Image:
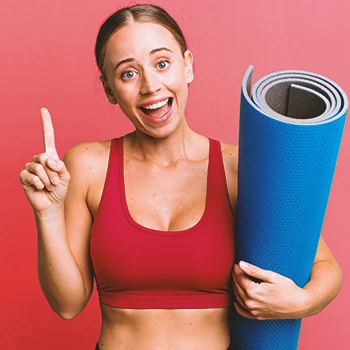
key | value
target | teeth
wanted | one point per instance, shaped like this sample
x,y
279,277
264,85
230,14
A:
x,y
157,105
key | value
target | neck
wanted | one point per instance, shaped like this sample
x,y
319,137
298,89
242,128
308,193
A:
x,y
180,145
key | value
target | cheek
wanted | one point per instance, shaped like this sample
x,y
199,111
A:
x,y
126,95
176,81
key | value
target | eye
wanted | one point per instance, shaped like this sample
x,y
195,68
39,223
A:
x,y
129,74
163,64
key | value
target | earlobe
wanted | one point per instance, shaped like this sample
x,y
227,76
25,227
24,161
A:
x,y
188,57
108,91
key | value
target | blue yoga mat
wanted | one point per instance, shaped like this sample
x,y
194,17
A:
x,y
291,124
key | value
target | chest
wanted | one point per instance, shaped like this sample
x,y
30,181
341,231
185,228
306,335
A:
x,y
168,228
168,199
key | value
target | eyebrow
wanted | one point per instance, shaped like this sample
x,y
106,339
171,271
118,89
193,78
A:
x,y
131,59
160,49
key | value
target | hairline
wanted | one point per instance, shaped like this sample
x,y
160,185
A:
x,y
132,20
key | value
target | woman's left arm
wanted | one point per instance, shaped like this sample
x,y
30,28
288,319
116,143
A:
x,y
278,297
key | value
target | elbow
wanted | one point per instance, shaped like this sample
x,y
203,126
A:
x,y
336,282
66,314
67,308
340,278
337,276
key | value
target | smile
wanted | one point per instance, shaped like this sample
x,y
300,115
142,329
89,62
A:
x,y
157,105
158,112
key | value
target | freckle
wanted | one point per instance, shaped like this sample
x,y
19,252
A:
x,y
51,264
89,167
87,148
190,324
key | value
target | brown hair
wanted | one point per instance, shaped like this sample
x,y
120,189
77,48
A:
x,y
138,13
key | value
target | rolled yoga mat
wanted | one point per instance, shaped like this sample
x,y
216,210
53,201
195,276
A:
x,y
289,136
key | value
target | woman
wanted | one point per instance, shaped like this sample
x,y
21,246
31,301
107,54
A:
x,y
151,214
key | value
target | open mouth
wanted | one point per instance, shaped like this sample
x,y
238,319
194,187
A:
x,y
158,110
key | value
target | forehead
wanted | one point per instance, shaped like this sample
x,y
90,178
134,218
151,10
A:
x,y
138,38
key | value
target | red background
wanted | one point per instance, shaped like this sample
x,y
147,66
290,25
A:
x,y
46,55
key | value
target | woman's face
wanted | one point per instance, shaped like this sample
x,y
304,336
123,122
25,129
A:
x,y
148,76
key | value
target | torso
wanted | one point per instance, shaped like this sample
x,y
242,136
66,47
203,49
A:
x,y
162,328
173,329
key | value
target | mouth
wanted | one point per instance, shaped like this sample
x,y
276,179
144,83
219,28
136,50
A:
x,y
159,109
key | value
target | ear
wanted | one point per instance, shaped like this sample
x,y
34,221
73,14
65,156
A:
x,y
188,57
108,91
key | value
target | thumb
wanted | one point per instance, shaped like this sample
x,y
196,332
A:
x,y
256,272
59,167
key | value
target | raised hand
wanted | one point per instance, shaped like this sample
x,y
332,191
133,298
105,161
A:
x,y
262,294
45,179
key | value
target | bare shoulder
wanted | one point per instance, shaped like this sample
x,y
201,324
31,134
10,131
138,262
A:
x,y
87,156
87,163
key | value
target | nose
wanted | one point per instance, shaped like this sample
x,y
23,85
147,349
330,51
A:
x,y
149,83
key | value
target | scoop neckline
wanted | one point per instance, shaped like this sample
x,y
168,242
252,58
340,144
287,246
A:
x,y
150,230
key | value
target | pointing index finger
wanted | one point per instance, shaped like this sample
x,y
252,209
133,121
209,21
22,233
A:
x,y
48,133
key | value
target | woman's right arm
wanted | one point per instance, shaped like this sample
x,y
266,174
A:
x,y
63,223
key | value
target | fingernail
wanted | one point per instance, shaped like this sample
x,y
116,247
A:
x,y
55,180
243,264
51,188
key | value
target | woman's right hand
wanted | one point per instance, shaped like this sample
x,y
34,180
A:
x,y
45,180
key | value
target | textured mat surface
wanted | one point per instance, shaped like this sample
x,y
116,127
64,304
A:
x,y
291,124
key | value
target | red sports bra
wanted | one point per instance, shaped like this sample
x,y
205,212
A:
x,y
143,268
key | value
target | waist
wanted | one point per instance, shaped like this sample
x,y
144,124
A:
x,y
165,328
